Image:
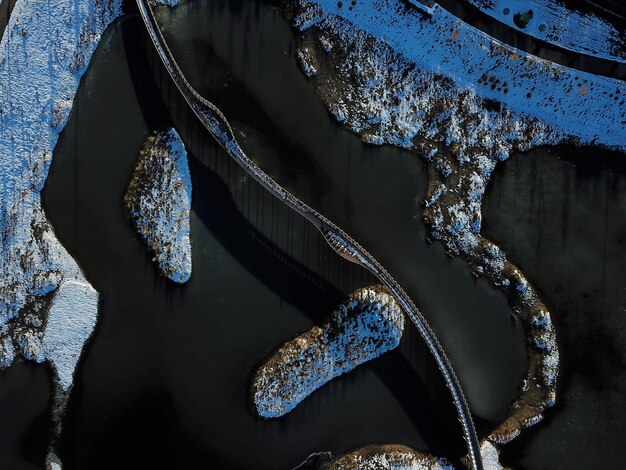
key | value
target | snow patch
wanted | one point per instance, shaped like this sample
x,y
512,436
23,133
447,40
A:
x,y
490,456
71,319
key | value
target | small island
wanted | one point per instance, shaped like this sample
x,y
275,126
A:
x,y
158,201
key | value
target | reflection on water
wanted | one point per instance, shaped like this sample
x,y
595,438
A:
x,y
563,222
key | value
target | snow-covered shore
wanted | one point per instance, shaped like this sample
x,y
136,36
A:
x,y
577,105
553,22
47,308
367,325
158,200
45,51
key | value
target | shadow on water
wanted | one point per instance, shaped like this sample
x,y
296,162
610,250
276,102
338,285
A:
x,y
6,8
559,215
24,427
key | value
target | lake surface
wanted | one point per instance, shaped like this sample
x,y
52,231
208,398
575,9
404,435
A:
x,y
164,382
560,215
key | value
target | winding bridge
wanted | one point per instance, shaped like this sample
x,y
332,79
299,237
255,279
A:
x,y
215,122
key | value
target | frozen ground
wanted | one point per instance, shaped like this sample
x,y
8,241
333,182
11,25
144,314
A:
x,y
158,200
553,22
367,325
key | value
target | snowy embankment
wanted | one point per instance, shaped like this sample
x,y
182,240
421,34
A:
x,y
464,102
158,200
47,307
367,325
551,21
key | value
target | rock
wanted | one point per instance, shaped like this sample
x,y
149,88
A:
x,y
367,325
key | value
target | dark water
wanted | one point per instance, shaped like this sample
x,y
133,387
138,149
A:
x,y
561,216
24,395
163,383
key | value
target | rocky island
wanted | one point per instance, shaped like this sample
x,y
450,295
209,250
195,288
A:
x,y
367,325
158,200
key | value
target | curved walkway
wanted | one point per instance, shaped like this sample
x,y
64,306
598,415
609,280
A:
x,y
215,122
